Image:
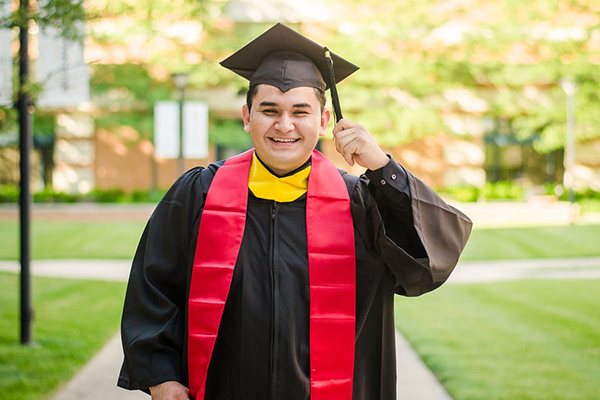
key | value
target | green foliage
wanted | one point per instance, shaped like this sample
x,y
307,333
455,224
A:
x,y
509,190
589,205
73,319
513,56
144,21
116,195
130,93
8,120
10,194
408,65
462,193
44,124
50,196
526,340
229,133
502,190
109,195
136,125
147,196
588,194
411,54
65,15
588,200
127,86
151,10
506,190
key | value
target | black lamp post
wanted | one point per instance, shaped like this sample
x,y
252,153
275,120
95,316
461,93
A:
x,y
24,106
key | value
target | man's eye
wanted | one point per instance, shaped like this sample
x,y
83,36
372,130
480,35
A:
x,y
270,111
300,112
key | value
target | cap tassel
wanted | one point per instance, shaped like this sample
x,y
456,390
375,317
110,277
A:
x,y
335,100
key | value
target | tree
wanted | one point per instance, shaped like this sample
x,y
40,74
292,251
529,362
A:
x,y
48,13
65,15
510,54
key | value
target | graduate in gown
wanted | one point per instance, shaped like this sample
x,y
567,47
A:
x,y
272,275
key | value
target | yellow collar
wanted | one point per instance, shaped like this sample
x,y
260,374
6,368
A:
x,y
265,185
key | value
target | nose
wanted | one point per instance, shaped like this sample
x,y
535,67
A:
x,y
285,123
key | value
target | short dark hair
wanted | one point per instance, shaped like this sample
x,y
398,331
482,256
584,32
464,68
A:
x,y
254,88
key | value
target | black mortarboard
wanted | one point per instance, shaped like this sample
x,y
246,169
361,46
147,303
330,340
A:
x,y
283,58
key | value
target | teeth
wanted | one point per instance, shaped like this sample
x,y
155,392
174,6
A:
x,y
284,140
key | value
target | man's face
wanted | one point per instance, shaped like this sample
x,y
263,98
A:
x,y
285,127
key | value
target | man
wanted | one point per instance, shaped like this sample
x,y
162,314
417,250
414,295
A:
x,y
272,275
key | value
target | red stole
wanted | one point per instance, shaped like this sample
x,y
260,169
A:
x,y
332,275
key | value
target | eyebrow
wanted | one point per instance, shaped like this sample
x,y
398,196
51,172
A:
x,y
273,104
302,105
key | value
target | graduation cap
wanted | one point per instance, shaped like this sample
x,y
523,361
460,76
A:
x,y
283,58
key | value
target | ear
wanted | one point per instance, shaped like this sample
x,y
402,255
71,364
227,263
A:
x,y
246,118
325,117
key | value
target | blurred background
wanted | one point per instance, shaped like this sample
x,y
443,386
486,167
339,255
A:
x,y
466,94
495,104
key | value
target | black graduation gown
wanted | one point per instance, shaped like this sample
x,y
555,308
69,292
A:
x,y
407,242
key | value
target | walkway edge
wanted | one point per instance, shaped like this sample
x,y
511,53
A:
x,y
97,380
415,381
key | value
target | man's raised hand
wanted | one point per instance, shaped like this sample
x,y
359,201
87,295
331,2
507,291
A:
x,y
356,144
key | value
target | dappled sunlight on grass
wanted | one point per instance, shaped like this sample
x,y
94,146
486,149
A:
x,y
521,340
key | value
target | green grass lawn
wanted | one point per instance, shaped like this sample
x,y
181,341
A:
x,y
73,319
105,240
533,242
519,340
69,239
524,340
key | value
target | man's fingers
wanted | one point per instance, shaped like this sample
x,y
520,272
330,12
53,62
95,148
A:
x,y
349,158
356,144
340,126
344,137
348,148
343,125
341,141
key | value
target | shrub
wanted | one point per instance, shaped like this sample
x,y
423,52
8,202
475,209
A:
x,y
462,193
503,190
50,196
9,193
109,195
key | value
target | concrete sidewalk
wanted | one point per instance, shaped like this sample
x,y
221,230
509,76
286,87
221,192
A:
x,y
465,272
505,270
97,380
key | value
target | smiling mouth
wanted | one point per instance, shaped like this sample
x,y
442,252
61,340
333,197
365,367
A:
x,y
284,140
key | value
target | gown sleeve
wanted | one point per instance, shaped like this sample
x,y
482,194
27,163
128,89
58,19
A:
x,y
419,236
153,321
